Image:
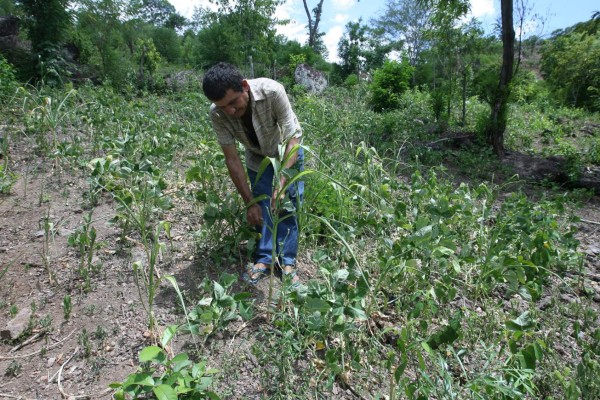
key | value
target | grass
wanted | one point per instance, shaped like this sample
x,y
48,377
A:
x,y
425,287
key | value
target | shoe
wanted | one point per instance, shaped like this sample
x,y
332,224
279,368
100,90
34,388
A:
x,y
254,272
289,274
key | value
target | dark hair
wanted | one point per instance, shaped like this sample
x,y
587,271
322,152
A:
x,y
220,78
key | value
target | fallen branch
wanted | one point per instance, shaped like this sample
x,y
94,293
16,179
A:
x,y
40,350
587,221
60,388
28,341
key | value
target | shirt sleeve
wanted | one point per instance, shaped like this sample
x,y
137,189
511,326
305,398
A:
x,y
286,118
221,127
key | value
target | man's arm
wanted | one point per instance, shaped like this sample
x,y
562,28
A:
x,y
238,176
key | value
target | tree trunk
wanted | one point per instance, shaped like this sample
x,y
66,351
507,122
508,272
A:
x,y
313,26
498,119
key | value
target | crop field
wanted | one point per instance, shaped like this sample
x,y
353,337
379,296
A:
x,y
427,273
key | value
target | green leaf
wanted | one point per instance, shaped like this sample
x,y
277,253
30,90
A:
x,y
316,304
341,275
400,370
357,313
141,379
218,290
193,174
168,335
165,392
228,279
523,322
446,334
152,353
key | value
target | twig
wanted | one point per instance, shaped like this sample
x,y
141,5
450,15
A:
x,y
65,395
40,350
587,221
244,325
28,341
13,397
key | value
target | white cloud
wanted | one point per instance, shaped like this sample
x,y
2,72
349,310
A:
x,y
341,18
331,40
343,4
296,28
186,7
482,8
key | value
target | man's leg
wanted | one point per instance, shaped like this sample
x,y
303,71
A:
x,y
263,186
287,232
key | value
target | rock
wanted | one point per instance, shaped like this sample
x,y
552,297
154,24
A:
x,y
314,81
16,326
9,25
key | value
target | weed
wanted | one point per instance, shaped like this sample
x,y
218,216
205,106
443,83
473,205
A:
x,y
13,369
85,343
67,307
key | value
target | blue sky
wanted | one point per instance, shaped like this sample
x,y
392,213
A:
x,y
557,14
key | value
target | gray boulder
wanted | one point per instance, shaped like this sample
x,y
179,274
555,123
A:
x,y
314,81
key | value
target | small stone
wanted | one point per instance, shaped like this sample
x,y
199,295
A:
x,y
51,361
597,298
16,326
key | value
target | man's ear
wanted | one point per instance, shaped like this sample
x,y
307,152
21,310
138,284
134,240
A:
x,y
245,85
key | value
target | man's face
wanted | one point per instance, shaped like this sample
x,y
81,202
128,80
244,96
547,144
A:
x,y
235,103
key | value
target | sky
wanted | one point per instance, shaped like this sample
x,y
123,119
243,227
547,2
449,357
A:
x,y
557,14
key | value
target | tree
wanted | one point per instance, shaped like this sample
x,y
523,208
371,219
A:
x,y
239,31
359,50
157,12
570,65
105,40
314,37
351,48
389,82
496,125
499,115
47,23
404,25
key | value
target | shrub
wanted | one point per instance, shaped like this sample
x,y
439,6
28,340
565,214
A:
x,y
8,82
389,82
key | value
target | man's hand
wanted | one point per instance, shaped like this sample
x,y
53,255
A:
x,y
254,215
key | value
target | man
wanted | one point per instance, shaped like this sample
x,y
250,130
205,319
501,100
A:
x,y
258,114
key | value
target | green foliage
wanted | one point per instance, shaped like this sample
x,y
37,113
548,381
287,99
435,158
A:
x,y
218,307
166,379
389,82
571,65
167,44
8,81
237,31
47,25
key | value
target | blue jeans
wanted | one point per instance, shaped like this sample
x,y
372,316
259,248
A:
x,y
287,229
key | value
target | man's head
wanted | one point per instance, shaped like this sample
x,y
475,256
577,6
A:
x,y
225,86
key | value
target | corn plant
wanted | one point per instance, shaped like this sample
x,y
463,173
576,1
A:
x,y
49,232
281,203
84,238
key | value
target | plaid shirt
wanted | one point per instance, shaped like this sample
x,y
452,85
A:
x,y
273,119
